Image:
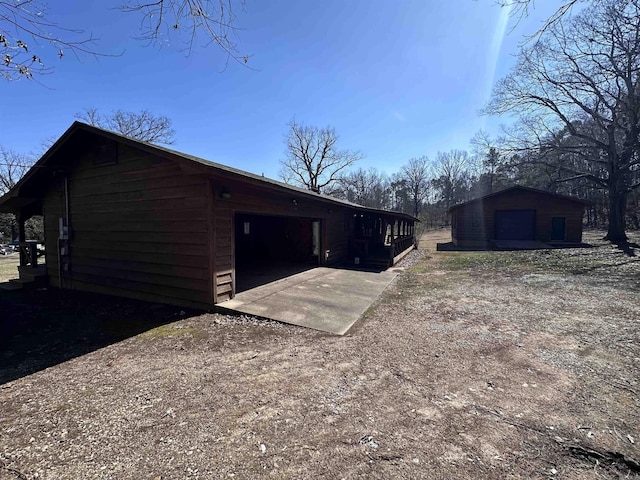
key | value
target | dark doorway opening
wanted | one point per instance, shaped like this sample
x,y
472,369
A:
x,y
558,227
515,224
269,248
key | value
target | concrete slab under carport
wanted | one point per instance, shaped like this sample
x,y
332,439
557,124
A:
x,y
326,299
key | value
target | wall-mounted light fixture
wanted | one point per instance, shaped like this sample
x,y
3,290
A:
x,y
225,195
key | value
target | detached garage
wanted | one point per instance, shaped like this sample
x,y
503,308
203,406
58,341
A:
x,y
517,216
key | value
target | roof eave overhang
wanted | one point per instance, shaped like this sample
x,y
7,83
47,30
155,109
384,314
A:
x,y
584,203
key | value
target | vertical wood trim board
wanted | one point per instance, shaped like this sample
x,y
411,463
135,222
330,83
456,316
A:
x,y
211,224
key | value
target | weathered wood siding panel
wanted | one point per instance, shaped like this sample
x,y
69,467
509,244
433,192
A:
x,y
338,228
469,225
474,224
139,229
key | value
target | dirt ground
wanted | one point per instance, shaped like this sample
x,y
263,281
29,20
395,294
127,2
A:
x,y
471,365
9,266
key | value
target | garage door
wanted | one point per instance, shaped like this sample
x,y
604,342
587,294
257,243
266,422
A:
x,y
515,224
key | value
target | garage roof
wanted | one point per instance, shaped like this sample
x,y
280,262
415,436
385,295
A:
x,y
519,188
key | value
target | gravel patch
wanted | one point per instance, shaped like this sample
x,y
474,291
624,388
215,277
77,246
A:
x,y
472,365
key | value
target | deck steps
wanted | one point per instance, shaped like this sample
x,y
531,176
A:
x,y
29,277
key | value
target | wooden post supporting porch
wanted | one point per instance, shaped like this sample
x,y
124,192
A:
x,y
30,273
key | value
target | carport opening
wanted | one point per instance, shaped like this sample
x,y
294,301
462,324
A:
x,y
269,248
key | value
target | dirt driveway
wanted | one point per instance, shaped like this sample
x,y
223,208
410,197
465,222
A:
x,y
471,365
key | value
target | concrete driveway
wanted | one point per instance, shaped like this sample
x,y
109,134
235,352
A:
x,y
326,299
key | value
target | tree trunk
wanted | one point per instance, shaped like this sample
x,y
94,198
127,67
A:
x,y
634,214
617,213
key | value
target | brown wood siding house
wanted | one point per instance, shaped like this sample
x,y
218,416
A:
x,y
517,214
127,218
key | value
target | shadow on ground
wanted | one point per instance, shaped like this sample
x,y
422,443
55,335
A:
x,y
256,274
42,328
510,246
628,248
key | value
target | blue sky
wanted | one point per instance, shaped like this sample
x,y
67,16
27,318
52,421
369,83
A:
x,y
397,79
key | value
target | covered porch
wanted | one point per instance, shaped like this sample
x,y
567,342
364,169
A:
x,y
32,270
379,241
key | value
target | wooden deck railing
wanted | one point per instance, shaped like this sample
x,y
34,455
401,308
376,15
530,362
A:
x,y
400,244
28,254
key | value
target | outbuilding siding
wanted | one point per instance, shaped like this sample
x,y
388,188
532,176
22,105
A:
x,y
473,223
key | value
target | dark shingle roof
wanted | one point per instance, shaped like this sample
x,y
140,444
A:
x,y
522,189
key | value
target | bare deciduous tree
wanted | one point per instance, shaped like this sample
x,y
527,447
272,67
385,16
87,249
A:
x,y
522,8
365,187
143,126
399,193
27,24
488,159
417,175
25,28
312,158
450,172
213,21
12,167
582,77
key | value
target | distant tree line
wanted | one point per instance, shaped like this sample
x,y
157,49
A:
x,y
427,188
575,94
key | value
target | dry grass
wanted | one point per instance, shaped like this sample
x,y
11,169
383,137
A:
x,y
9,267
472,365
